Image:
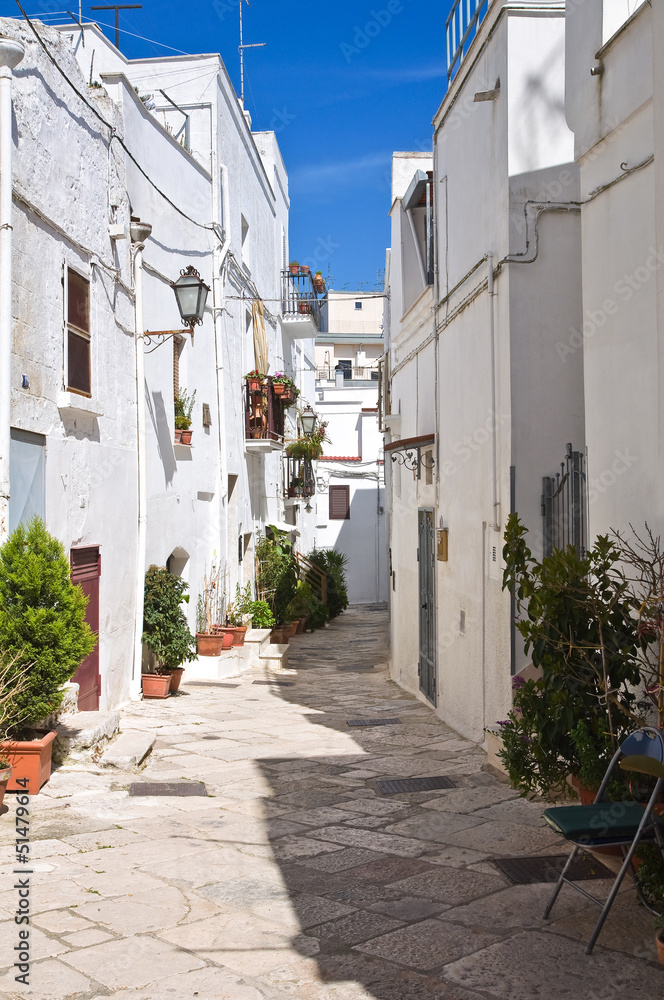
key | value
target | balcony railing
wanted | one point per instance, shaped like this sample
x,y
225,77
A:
x,y
351,374
264,414
300,478
299,297
462,25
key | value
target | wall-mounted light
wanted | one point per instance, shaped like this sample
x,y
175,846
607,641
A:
x,y
191,293
308,420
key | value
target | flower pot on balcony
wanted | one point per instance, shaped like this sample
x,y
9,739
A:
x,y
177,436
304,307
254,385
294,267
305,269
319,282
30,762
156,685
278,388
208,645
186,437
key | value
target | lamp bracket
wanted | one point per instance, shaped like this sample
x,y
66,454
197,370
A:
x,y
164,334
413,458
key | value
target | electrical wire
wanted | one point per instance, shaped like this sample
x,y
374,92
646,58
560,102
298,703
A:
x,y
113,133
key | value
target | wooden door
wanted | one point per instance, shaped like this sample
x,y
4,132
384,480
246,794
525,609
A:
x,y
85,571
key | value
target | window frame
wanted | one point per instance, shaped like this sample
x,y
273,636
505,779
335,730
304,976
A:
x,y
72,329
337,488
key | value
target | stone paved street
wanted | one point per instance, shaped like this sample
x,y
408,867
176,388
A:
x,y
293,878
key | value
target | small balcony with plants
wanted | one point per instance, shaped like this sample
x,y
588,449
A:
x,y
266,399
300,478
300,302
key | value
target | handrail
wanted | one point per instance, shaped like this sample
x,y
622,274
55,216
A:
x,y
462,25
306,567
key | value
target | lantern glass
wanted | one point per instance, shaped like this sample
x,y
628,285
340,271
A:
x,y
191,293
308,419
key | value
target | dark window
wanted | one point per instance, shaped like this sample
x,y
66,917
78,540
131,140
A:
x,y
346,367
358,305
339,503
78,333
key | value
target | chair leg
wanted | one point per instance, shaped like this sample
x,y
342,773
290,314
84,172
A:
x,y
559,883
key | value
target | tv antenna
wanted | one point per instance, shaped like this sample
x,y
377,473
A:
x,y
117,8
254,45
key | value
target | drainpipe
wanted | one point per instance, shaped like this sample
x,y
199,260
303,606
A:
x,y
11,53
494,433
140,231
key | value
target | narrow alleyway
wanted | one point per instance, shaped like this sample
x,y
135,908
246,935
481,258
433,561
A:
x,y
291,876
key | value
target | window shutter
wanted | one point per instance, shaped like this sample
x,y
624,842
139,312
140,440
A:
x,y
339,503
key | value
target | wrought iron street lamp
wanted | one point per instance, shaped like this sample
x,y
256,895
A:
x,y
308,420
191,293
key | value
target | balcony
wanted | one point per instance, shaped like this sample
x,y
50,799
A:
x,y
462,25
264,418
300,479
300,304
327,373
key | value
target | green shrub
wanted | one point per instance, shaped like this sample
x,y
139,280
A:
x,y
261,614
276,572
650,875
333,562
165,629
42,621
317,614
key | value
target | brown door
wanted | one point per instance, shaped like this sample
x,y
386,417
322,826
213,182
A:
x,y
85,571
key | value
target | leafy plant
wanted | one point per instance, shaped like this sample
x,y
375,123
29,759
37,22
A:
x,y
262,616
241,606
305,603
165,629
255,374
576,620
184,406
276,571
650,876
43,632
333,563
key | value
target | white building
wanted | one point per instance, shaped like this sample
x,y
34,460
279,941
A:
x,y
484,274
216,198
617,116
350,500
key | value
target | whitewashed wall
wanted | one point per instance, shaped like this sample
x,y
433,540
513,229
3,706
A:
x,y
62,174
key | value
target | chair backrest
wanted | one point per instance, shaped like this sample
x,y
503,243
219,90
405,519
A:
x,y
644,743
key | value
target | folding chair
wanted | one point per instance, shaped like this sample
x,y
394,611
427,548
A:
x,y
605,824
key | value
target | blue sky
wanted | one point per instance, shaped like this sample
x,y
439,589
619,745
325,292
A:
x,y
343,83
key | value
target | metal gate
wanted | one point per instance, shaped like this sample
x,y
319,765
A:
x,y
564,498
426,555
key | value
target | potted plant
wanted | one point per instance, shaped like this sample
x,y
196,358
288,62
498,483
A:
x,y
319,281
44,637
238,613
165,630
305,269
659,937
294,267
575,616
261,614
255,381
284,387
12,683
211,637
304,306
184,406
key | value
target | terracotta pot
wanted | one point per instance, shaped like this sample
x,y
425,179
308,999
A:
x,y
186,436
177,435
254,385
293,628
5,775
302,624
208,645
305,269
280,635
304,307
294,268
659,941
240,632
227,636
156,685
176,677
29,759
278,388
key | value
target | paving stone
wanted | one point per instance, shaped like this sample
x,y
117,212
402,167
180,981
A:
x,y
115,965
50,980
384,842
498,839
352,929
432,826
387,870
468,800
427,945
140,912
41,945
342,859
83,939
409,908
450,885
551,967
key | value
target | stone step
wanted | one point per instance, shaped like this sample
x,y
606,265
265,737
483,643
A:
x,y
82,733
130,748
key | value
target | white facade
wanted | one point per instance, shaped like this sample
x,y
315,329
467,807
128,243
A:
x,y
618,121
475,385
87,158
348,351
